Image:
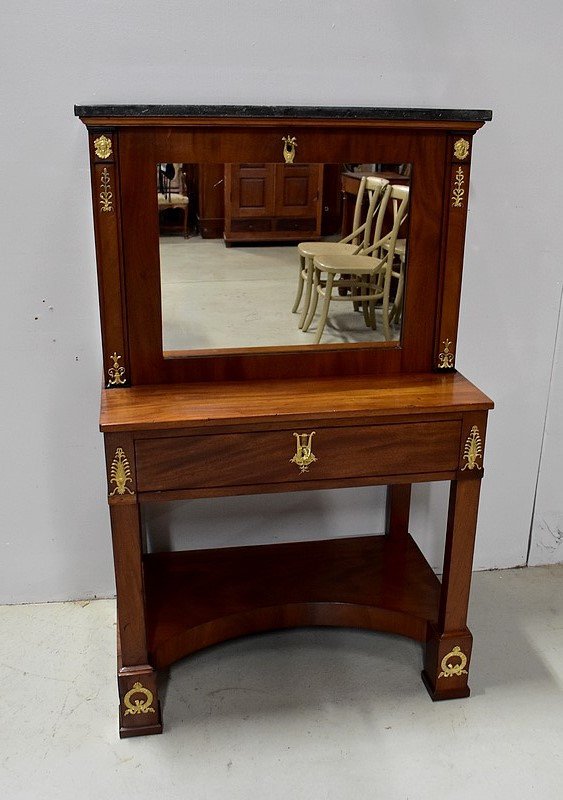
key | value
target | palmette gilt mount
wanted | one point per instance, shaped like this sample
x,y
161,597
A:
x,y
473,450
449,669
120,473
458,192
139,706
103,147
106,194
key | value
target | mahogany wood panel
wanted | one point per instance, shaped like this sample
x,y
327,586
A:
x,y
200,405
293,486
251,458
458,558
259,122
211,200
456,199
107,229
199,598
127,559
397,510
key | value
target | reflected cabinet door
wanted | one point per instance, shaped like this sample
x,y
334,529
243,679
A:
x,y
250,190
298,190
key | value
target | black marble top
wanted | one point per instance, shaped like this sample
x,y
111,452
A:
x,y
296,112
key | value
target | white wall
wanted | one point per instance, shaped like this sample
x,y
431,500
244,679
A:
x,y
472,53
546,545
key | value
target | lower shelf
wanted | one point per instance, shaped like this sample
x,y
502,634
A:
x,y
201,597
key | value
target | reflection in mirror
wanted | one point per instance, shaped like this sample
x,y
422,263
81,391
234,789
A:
x,y
270,255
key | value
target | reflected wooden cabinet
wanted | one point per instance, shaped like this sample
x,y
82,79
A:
x,y
258,420
211,202
269,202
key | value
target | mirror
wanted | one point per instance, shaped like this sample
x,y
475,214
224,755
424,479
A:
x,y
280,255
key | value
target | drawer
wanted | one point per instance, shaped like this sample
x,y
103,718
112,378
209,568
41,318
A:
x,y
299,224
250,225
240,459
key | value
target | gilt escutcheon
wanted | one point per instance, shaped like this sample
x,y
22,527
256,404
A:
x,y
304,455
290,143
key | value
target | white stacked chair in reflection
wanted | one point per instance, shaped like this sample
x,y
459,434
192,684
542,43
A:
x,y
397,269
367,274
355,242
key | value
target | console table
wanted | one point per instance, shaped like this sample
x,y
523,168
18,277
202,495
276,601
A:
x,y
289,418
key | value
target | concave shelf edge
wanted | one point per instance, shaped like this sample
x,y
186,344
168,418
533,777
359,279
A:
x,y
199,598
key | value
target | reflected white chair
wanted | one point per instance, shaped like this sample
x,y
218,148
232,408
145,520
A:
x,y
357,241
398,270
367,274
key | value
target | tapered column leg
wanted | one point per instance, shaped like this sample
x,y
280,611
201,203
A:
x,y
398,510
448,648
139,709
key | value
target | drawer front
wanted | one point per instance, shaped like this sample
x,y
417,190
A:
x,y
250,225
295,224
242,459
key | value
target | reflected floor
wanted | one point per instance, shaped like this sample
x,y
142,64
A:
x,y
242,296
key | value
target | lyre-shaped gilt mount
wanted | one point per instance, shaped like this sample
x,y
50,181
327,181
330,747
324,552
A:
x,y
304,455
290,143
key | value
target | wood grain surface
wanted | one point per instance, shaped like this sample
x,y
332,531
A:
x,y
199,598
201,405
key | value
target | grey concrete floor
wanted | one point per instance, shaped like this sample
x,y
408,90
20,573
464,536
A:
x,y
302,714
214,296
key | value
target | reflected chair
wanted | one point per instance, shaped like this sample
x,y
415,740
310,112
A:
x,y
357,241
398,270
367,274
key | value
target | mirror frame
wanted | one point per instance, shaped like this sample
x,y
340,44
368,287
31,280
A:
x,y
127,235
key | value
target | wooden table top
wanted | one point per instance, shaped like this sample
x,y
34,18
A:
x,y
194,405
